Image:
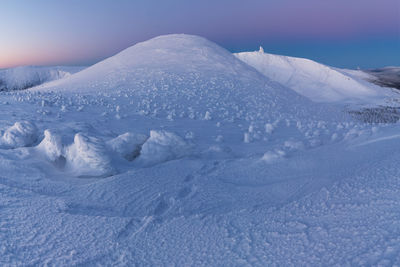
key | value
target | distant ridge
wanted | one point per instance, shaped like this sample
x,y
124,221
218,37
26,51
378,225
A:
x,y
316,81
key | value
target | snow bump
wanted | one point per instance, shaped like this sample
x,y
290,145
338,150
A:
x,y
21,134
127,145
163,146
88,157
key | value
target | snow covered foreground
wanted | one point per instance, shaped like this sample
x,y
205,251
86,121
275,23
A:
x,y
175,152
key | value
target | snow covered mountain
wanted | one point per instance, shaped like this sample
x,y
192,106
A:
x,y
20,78
314,80
175,152
188,76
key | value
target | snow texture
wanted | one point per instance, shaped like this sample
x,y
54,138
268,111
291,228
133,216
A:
x,y
175,152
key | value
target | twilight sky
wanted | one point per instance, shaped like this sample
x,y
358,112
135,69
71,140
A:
x,y
342,33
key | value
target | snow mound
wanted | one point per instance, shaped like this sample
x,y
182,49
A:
x,y
21,134
163,146
273,156
52,147
318,82
127,145
88,157
29,76
186,76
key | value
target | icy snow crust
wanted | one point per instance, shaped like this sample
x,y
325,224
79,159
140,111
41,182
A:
x,y
191,159
316,81
26,77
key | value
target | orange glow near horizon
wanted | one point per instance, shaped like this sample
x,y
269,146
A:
x,y
45,56
11,60
21,56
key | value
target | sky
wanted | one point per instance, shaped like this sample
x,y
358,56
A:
x,y
340,33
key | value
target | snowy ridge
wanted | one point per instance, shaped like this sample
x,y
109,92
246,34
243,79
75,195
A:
x,y
316,81
20,78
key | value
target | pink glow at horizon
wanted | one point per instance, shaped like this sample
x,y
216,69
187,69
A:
x,y
46,32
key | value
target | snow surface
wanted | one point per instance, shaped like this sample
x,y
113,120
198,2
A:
x,y
174,152
20,78
314,80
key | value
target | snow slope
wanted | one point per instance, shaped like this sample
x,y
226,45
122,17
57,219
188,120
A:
x,y
185,75
25,77
316,81
174,152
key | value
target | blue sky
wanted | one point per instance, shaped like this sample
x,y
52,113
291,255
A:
x,y
342,33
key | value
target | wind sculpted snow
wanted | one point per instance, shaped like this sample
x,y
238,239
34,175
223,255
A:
x,y
174,152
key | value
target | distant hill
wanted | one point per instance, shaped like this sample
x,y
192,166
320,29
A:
x,y
20,78
316,81
387,77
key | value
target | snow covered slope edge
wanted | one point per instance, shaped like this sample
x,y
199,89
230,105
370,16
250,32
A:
x,y
316,81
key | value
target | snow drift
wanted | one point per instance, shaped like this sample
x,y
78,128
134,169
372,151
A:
x,y
52,148
316,81
88,157
127,145
25,77
163,146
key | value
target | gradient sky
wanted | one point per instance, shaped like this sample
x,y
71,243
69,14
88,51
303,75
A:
x,y
342,33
